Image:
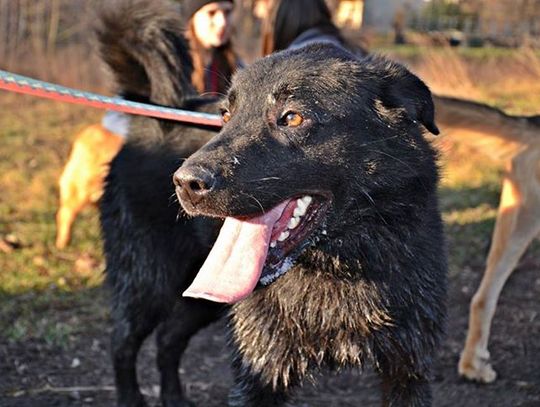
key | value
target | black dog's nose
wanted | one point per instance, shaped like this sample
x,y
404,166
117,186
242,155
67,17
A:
x,y
193,183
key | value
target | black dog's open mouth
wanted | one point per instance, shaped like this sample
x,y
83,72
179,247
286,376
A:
x,y
257,250
290,235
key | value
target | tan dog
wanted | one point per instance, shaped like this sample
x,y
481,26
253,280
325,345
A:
x,y
516,140
81,182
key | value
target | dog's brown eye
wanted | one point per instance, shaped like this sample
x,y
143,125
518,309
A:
x,y
225,116
292,119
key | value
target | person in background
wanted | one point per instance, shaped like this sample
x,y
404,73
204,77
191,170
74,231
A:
x,y
209,31
293,24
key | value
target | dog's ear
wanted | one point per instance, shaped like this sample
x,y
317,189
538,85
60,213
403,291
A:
x,y
402,89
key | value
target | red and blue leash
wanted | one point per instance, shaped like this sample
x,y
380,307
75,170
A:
x,y
29,86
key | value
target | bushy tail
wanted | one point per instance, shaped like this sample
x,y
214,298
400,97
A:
x,y
142,43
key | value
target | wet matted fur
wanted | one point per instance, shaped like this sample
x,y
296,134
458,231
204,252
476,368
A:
x,y
368,277
360,275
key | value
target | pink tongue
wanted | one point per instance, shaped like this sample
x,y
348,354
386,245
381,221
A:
x,y
234,265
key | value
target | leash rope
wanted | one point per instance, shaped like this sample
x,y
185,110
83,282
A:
x,y
29,86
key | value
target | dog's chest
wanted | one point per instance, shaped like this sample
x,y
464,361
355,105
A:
x,y
306,320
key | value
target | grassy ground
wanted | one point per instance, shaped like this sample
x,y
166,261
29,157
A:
x,y
36,279
50,297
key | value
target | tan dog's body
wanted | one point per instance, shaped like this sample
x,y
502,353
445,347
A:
x,y
81,182
516,140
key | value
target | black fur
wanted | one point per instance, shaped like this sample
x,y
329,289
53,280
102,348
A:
x,y
152,252
372,284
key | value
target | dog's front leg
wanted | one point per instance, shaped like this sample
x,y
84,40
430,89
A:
x,y
404,376
127,339
249,391
173,336
401,390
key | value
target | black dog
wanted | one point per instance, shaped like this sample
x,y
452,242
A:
x,y
329,194
368,280
152,252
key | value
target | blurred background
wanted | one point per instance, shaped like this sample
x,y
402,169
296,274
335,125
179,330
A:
x,y
53,309
51,39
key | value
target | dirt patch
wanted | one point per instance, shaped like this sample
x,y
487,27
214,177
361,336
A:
x,y
36,373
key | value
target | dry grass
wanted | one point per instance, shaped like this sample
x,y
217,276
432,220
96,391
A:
x,y
36,136
75,66
508,79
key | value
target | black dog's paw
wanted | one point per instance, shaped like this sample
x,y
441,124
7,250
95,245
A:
x,y
135,402
177,402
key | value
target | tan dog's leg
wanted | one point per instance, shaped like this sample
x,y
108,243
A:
x,y
81,182
518,222
70,206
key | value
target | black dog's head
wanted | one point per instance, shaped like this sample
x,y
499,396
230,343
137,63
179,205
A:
x,y
308,136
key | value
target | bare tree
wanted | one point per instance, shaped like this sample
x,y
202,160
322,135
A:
x,y
48,39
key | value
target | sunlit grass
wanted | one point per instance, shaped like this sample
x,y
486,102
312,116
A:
x,y
36,137
469,194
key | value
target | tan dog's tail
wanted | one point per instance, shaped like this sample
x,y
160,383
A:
x,y
491,131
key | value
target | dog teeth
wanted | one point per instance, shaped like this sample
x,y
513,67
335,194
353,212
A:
x,y
293,223
284,235
301,206
307,200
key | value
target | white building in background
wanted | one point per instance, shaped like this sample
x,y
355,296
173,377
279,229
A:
x,y
379,15
375,14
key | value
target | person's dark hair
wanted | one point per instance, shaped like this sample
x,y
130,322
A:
x,y
290,18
